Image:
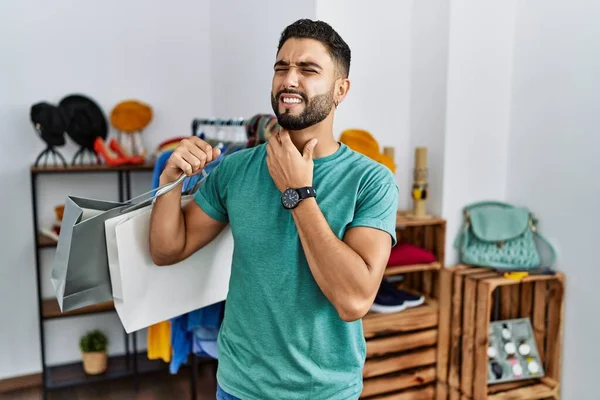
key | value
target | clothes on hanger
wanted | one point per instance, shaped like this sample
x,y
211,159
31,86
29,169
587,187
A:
x,y
159,341
196,332
173,341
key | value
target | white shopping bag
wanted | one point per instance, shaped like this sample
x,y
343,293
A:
x,y
112,252
148,294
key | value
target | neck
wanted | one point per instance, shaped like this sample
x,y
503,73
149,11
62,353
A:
x,y
323,131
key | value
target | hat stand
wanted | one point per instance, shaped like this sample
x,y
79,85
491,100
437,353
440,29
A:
x,y
81,153
47,151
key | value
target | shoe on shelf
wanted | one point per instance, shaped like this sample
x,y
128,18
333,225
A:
x,y
107,154
395,278
387,303
411,300
390,300
117,148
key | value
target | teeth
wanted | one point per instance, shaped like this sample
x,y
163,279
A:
x,y
291,100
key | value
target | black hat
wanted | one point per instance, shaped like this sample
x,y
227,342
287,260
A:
x,y
86,121
50,122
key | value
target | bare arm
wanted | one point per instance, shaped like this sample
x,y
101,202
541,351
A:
x,y
176,232
348,272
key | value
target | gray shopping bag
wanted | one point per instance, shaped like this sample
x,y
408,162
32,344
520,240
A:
x,y
80,273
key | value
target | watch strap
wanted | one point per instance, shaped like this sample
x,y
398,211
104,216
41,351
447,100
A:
x,y
306,192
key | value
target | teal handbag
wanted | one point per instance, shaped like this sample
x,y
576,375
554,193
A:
x,y
502,236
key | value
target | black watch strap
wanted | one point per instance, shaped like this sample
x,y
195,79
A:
x,y
306,192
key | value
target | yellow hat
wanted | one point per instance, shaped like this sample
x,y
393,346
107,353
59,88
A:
x,y
131,116
363,142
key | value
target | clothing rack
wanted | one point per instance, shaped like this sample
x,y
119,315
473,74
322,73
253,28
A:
x,y
230,135
230,129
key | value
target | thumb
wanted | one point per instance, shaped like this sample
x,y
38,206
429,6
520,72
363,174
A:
x,y
309,148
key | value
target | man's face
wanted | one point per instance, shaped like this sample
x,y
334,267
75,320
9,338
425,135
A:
x,y
303,84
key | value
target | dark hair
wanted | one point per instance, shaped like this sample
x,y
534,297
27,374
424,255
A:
x,y
324,33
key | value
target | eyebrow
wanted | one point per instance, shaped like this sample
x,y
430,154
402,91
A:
x,y
299,64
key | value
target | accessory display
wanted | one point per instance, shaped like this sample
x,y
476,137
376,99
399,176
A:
x,y
502,236
86,122
420,187
50,123
513,352
130,118
291,197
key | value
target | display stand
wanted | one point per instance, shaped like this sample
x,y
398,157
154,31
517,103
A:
x,y
69,375
401,347
471,299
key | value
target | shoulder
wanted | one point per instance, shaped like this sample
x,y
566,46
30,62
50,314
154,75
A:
x,y
245,155
241,158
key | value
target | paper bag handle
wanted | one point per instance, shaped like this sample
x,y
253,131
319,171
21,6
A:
x,y
166,188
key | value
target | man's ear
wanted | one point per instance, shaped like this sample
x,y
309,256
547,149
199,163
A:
x,y
342,88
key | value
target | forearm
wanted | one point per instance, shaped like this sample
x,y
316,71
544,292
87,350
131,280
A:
x,y
343,276
167,227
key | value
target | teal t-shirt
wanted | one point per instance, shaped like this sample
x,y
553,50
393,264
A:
x,y
281,338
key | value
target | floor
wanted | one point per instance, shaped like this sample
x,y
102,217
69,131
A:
x,y
155,386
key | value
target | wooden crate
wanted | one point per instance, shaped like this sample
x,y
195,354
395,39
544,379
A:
x,y
470,298
430,234
402,347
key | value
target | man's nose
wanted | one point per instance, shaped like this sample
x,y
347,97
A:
x,y
290,79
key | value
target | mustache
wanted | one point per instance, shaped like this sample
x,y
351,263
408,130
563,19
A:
x,y
292,91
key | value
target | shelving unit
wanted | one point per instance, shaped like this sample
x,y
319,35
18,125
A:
x,y
72,374
471,298
402,347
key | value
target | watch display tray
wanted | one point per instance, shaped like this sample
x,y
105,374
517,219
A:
x,y
513,352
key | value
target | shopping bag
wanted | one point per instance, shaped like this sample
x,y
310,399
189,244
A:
x,y
150,294
111,250
80,275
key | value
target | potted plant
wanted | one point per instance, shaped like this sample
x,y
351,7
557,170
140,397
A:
x,y
93,350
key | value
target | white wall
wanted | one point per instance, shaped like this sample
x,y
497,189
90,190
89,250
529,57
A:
x,y
428,74
111,51
378,34
248,31
553,161
480,59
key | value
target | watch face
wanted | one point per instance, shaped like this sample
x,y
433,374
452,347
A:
x,y
290,198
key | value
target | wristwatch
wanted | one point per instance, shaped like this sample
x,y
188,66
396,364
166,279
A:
x,y
291,197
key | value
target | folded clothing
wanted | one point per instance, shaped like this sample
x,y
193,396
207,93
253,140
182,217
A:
x,y
408,254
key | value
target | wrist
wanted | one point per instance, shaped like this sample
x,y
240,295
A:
x,y
165,179
306,203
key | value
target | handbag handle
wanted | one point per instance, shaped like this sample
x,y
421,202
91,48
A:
x,y
487,203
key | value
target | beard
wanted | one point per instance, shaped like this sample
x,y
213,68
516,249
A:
x,y
316,109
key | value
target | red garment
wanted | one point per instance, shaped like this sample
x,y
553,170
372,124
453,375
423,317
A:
x,y
408,254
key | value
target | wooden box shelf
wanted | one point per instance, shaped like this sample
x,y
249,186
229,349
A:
x,y
402,347
472,297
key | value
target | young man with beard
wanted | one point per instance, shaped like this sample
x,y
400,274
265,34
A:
x,y
313,224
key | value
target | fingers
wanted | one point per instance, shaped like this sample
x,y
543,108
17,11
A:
x,y
195,143
192,155
181,164
309,149
284,137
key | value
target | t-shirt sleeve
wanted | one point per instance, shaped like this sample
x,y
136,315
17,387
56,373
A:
x,y
211,196
377,207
